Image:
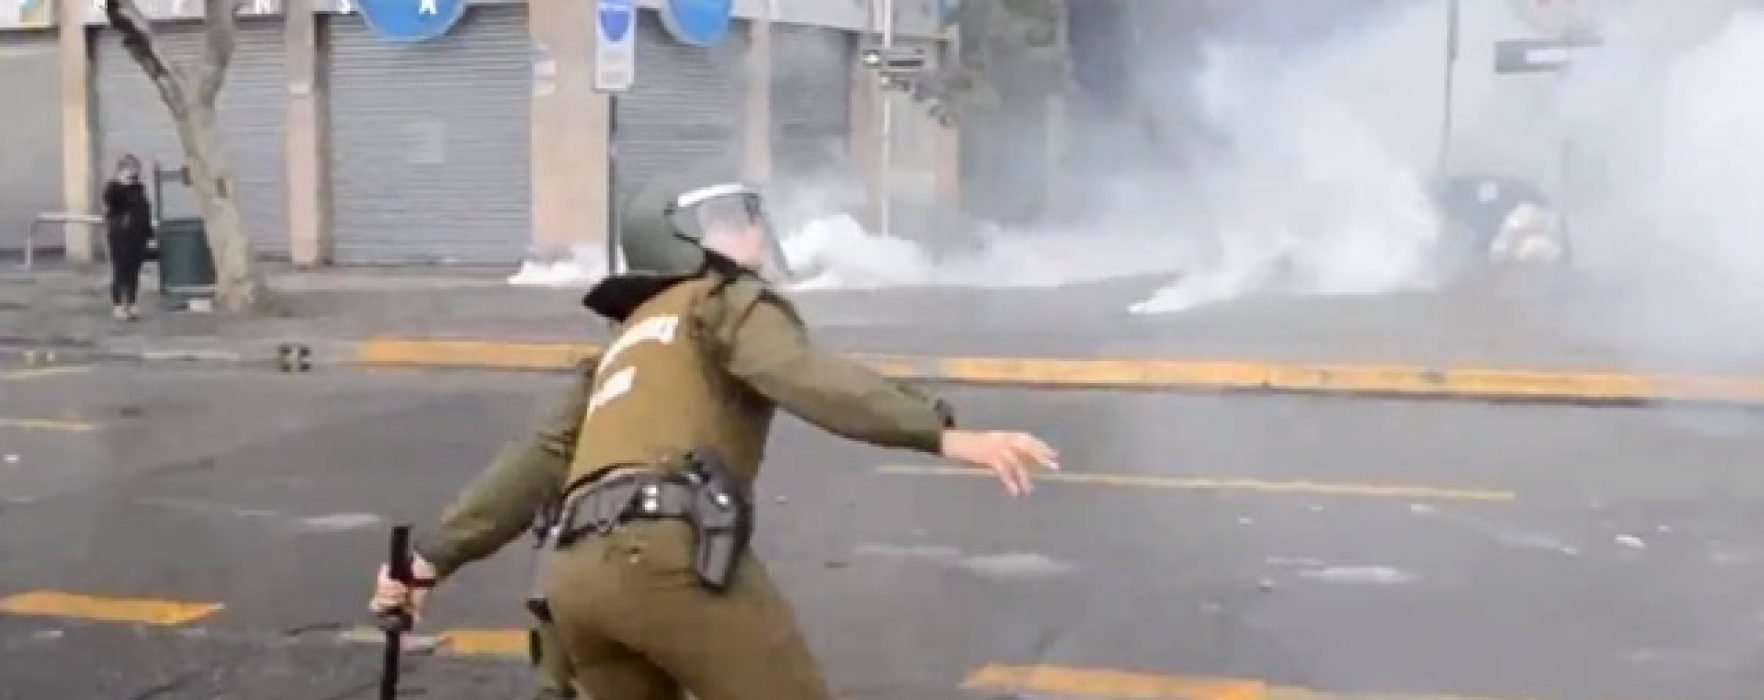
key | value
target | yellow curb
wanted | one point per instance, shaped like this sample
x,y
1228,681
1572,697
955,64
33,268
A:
x,y
138,610
1145,374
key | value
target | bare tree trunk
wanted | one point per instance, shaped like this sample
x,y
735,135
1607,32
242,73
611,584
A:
x,y
238,285
190,94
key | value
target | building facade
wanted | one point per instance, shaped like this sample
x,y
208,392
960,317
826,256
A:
x,y
477,137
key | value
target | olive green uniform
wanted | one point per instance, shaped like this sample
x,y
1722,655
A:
x,y
751,352
525,476
703,365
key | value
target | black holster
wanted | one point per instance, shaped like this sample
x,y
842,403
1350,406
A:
x,y
700,492
545,526
722,519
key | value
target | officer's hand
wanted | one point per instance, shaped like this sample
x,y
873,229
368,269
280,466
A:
x,y
1009,455
390,595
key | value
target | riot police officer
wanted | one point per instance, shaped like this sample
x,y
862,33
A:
x,y
520,488
650,582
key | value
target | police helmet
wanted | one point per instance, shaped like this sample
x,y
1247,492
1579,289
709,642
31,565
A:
x,y
672,225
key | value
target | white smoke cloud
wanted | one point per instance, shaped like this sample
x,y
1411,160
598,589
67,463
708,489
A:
x,y
1311,175
1309,199
1666,120
1318,186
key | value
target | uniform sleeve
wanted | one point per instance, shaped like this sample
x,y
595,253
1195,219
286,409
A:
x,y
945,412
769,350
526,475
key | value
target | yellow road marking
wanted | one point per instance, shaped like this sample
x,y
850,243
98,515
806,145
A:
x,y
22,374
1056,680
468,642
1119,685
71,426
1407,492
139,610
454,642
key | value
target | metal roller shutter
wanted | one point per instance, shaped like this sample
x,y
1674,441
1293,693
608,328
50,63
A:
x,y
811,98
30,171
685,107
430,141
253,110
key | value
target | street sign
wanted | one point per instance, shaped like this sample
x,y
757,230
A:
x,y
615,45
1538,55
408,21
698,22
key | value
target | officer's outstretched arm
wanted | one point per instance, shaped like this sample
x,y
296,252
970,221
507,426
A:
x,y
769,350
525,476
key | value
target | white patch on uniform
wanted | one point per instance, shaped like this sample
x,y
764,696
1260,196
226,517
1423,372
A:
x,y
615,386
656,329
660,329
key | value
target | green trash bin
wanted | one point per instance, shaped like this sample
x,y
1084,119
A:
x,y
186,267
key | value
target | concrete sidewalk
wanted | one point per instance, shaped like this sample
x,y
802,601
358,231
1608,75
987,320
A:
x,y
1486,342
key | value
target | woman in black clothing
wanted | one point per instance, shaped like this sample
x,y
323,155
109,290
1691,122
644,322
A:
x,y
128,220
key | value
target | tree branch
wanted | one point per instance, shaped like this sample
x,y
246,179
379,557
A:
x,y
137,38
222,30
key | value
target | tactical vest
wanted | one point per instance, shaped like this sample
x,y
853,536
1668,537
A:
x,y
660,390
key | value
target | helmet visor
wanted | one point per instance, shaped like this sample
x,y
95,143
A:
x,y
731,220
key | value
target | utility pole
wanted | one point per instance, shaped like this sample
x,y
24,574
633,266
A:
x,y
885,209
1453,18
898,69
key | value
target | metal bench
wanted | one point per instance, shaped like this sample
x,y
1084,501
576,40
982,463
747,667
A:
x,y
65,219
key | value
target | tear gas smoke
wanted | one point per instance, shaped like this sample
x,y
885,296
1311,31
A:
x,y
1297,165
1670,157
1245,164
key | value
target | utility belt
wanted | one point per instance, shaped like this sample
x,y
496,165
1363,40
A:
x,y
698,491
626,494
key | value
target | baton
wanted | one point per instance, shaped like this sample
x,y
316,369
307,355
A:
x,y
394,622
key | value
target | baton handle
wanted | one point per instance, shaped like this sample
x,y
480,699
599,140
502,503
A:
x,y
398,568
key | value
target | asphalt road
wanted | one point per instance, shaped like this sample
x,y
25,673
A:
x,y
1482,551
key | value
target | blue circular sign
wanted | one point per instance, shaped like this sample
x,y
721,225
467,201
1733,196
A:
x,y
698,22
411,20
616,18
